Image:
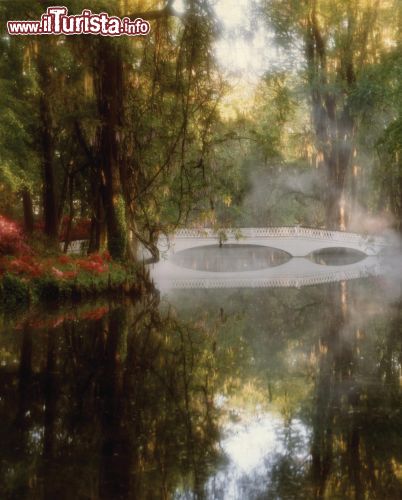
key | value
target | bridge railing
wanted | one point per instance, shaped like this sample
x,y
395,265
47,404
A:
x,y
279,232
76,247
278,281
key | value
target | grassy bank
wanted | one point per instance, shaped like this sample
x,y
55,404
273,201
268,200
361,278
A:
x,y
27,280
32,270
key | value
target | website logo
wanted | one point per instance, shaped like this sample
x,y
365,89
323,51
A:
x,y
57,21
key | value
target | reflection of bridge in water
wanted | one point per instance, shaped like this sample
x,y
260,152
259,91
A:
x,y
297,272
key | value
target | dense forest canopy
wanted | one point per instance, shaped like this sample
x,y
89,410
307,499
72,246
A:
x,y
132,137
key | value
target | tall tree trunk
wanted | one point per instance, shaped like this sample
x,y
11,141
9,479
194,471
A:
x,y
332,120
67,235
110,106
50,212
97,230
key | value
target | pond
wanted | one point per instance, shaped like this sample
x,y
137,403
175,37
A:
x,y
217,394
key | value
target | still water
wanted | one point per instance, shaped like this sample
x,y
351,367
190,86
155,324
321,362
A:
x,y
230,258
216,394
337,256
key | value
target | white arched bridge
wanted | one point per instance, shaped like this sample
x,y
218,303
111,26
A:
x,y
298,271
296,241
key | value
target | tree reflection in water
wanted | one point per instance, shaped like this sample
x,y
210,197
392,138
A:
x,y
356,416
240,394
120,407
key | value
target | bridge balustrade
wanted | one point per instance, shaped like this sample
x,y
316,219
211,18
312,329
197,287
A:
x,y
278,232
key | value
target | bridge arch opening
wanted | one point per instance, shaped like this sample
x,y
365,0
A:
x,y
230,257
336,256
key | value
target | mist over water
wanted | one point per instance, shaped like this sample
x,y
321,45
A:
x,y
279,195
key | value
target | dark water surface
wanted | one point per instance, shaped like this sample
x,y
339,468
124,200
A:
x,y
215,394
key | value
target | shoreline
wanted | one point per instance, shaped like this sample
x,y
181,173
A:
x,y
21,291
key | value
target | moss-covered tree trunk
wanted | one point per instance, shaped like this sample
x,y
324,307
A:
x,y
110,106
97,231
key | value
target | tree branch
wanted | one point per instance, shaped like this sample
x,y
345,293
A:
x,y
151,15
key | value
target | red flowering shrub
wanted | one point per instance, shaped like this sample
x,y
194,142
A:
x,y
57,273
25,265
64,259
95,257
93,263
11,238
61,267
106,256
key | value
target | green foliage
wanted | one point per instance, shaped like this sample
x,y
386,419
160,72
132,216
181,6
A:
x,y
86,284
351,74
379,97
117,242
20,291
14,291
163,134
